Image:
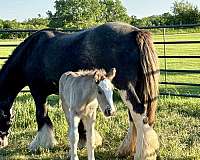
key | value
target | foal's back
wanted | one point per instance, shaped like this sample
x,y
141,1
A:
x,y
76,89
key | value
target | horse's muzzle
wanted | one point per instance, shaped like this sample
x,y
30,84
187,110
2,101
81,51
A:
x,y
3,141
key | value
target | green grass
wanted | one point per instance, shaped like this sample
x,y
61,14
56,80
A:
x,y
5,51
181,63
178,127
178,119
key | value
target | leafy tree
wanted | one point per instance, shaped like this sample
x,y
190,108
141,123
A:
x,y
74,13
1,24
113,11
80,14
185,13
167,19
37,23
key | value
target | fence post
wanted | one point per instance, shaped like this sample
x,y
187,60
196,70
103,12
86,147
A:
x,y
165,60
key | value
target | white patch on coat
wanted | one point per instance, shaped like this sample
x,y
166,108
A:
x,y
147,139
151,143
106,86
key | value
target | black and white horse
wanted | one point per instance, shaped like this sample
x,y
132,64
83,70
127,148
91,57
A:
x,y
42,58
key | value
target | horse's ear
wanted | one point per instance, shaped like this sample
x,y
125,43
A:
x,y
111,74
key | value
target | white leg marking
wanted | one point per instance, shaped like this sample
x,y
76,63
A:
x,y
138,120
90,133
151,143
74,136
128,144
44,138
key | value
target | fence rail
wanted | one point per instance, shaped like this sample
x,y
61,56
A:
x,y
165,70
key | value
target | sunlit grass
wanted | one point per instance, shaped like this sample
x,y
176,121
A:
x,y
178,127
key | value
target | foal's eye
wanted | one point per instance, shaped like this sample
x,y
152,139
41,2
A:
x,y
99,92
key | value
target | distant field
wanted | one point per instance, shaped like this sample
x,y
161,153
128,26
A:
x,y
180,64
178,119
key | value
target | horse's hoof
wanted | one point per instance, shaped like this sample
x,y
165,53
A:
x,y
33,147
3,142
125,150
122,153
98,141
44,138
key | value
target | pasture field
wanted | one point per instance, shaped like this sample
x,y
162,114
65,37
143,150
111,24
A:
x,y
178,127
180,63
178,119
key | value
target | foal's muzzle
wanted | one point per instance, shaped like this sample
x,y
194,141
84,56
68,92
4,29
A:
x,y
109,112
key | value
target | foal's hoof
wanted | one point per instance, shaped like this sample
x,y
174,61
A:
x,y
98,141
3,142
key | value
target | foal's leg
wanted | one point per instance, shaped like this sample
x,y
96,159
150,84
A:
x,y
45,136
73,134
90,133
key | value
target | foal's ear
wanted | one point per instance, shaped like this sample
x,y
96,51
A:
x,y
111,74
97,77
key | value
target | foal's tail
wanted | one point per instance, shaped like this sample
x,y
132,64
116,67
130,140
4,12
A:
x,y
149,78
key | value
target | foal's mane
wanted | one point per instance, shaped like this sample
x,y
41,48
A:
x,y
98,74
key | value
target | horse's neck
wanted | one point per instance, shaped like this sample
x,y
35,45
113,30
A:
x,y
10,83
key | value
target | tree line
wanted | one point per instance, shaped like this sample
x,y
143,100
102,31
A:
x,y
81,14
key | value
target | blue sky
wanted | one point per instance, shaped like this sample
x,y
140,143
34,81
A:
x,y
24,9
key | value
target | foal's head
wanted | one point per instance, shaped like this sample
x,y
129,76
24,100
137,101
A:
x,y
105,91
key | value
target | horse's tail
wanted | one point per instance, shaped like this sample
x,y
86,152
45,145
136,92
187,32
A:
x,y
149,77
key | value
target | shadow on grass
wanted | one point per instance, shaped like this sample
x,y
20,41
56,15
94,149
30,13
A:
x,y
16,145
182,158
22,97
18,149
189,112
180,89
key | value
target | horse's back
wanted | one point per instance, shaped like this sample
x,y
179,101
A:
x,y
105,46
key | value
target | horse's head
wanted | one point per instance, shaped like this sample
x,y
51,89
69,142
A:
x,y
105,92
5,124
